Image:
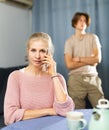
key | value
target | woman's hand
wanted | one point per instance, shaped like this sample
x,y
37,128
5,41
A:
x,y
29,114
52,112
50,64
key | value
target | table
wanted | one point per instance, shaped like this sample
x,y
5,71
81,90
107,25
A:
x,y
47,122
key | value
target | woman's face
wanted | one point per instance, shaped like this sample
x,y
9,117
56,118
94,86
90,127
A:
x,y
36,52
81,24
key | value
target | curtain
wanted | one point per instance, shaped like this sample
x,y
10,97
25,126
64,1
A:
x,y
54,17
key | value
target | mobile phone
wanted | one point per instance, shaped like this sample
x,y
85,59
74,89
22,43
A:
x,y
45,66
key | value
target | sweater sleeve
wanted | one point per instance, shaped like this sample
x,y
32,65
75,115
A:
x,y
12,111
68,105
63,108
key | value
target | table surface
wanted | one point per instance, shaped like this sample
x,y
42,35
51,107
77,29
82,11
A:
x,y
47,122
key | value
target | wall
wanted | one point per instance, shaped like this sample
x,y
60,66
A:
x,y
15,27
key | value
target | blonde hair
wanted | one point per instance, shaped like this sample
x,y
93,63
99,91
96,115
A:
x,y
42,36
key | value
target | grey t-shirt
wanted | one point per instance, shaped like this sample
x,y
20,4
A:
x,y
82,48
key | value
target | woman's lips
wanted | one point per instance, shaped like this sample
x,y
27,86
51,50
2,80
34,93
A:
x,y
37,61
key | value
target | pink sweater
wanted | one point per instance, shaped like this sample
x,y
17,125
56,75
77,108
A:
x,y
25,92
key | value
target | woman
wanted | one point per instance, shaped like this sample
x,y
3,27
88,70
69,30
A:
x,y
38,90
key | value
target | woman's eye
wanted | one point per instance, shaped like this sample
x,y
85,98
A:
x,y
43,51
33,50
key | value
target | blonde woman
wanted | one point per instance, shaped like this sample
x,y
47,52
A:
x,y
36,90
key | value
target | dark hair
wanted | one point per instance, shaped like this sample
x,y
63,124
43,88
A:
x,y
77,16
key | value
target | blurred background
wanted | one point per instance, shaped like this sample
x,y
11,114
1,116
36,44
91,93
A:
x,y
53,17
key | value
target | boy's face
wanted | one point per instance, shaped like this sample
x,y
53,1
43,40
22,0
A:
x,y
81,23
